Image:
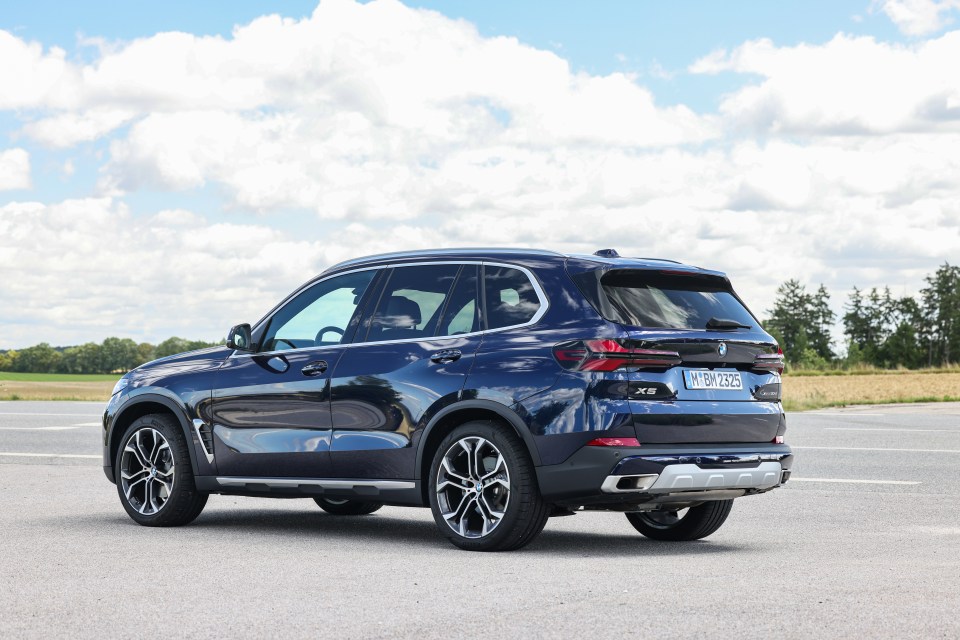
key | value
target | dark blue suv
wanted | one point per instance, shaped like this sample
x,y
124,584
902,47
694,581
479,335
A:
x,y
499,387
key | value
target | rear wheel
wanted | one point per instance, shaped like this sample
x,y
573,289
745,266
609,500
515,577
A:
x,y
153,474
345,507
483,489
682,524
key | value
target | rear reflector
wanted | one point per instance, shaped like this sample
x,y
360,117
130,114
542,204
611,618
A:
x,y
610,355
614,442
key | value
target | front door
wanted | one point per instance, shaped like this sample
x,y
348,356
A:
x,y
410,358
271,409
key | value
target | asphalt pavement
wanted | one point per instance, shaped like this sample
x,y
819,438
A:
x,y
864,541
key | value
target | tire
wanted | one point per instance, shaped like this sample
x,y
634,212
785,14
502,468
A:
x,y
509,513
698,522
344,507
154,476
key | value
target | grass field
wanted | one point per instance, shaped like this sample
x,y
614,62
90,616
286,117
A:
x,y
800,393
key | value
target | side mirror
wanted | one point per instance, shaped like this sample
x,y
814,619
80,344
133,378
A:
x,y
239,338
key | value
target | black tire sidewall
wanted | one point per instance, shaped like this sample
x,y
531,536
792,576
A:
x,y
184,487
347,508
699,522
507,444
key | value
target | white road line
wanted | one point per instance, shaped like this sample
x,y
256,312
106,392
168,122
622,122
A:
x,y
883,449
48,455
851,481
848,414
38,428
60,415
906,430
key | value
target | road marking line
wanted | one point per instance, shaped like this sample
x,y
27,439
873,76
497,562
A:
x,y
848,414
49,455
37,428
88,424
883,449
60,415
851,481
907,430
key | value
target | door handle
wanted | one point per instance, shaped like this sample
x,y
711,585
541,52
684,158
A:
x,y
445,356
314,368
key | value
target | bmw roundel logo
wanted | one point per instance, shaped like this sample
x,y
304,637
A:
x,y
722,349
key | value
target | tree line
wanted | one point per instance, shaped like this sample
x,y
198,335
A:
x,y
113,355
880,329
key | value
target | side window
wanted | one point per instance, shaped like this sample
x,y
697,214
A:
x,y
318,316
462,314
411,302
509,296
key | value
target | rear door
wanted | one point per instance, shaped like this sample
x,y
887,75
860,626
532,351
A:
x,y
700,367
410,358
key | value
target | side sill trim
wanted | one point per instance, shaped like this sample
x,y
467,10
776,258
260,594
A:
x,y
383,485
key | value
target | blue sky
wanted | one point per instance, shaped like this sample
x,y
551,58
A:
x,y
817,137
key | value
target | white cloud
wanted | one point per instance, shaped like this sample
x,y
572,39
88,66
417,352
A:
x,y
919,17
849,85
14,169
400,128
87,269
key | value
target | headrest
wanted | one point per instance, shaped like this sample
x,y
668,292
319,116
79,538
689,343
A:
x,y
399,313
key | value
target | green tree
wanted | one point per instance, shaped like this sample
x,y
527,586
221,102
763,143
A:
x,y
940,305
8,361
41,358
145,352
118,354
802,321
171,346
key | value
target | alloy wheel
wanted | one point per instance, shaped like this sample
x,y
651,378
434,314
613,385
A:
x,y
473,487
146,471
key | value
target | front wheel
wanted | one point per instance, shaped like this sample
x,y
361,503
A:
x,y
682,524
483,489
153,474
344,507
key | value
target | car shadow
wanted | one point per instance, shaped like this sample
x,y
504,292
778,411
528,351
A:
x,y
381,529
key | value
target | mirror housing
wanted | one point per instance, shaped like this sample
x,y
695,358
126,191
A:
x,y
239,338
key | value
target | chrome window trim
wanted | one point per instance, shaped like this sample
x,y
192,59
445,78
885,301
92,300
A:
x,y
537,288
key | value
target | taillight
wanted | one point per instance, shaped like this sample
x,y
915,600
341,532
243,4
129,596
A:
x,y
610,355
772,362
614,442
777,440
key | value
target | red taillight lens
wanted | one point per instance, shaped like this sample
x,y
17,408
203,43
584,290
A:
x,y
614,442
777,440
772,362
610,355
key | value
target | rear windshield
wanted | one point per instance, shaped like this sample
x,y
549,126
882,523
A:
x,y
664,301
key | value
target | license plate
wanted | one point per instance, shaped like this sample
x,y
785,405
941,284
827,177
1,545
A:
x,y
696,379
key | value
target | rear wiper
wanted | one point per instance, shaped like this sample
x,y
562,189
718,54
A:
x,y
720,324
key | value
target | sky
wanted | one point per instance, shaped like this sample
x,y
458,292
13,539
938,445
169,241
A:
x,y
174,169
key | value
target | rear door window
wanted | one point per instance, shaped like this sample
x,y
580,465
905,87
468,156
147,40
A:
x,y
666,301
411,302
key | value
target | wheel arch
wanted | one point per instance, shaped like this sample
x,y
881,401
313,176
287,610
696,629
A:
x,y
146,404
456,414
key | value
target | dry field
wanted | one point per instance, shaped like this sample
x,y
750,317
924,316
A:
x,y
813,392
92,390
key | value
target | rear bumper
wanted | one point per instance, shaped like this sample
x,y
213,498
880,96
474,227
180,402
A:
x,y
622,477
